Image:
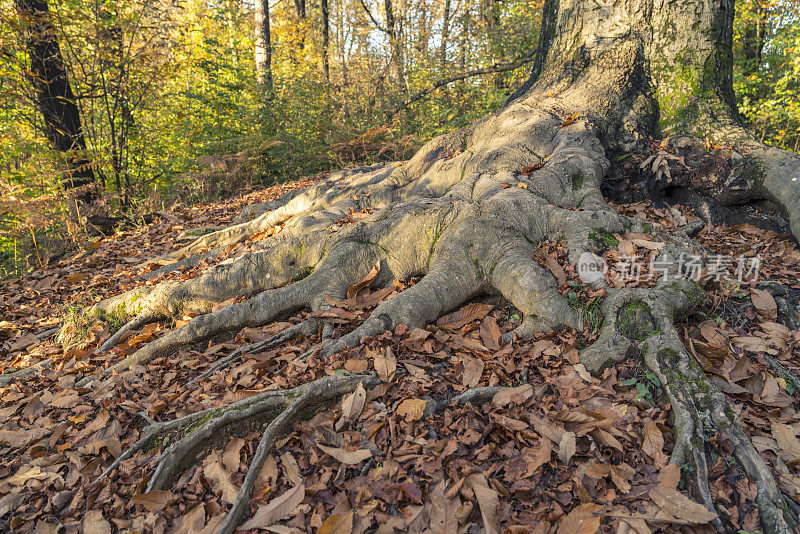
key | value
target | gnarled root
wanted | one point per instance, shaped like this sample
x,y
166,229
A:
x,y
189,435
640,322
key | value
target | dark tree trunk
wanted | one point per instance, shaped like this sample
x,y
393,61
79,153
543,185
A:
x,y
753,40
445,37
300,7
395,45
263,45
326,26
53,93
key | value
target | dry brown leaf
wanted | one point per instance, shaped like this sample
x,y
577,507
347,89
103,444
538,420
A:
x,y
412,409
464,315
337,524
653,444
385,364
231,457
345,455
353,404
680,506
750,343
764,304
581,520
490,333
155,500
517,395
566,447
354,290
215,472
95,523
473,370
669,476
787,441
488,501
534,460
278,508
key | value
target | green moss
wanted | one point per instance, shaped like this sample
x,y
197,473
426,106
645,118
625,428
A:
x,y
603,238
577,182
635,321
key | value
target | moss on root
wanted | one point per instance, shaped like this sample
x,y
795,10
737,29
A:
x,y
635,321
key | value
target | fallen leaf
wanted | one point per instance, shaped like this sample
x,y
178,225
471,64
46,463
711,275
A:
x,y
337,524
681,507
385,364
278,508
353,404
95,523
412,409
345,455
215,472
787,441
154,501
231,457
653,444
764,304
473,370
566,447
517,395
581,520
464,315
488,501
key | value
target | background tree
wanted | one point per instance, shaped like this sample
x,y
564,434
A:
x,y
53,92
263,45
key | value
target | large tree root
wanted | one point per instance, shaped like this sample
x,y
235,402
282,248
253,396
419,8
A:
x,y
640,323
465,215
184,438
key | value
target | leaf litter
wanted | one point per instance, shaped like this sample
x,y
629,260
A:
x,y
556,450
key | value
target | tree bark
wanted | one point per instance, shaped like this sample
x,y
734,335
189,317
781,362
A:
x,y
263,46
326,25
53,92
300,7
445,38
395,45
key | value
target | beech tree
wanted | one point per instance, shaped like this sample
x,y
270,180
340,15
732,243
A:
x,y
466,212
263,45
53,93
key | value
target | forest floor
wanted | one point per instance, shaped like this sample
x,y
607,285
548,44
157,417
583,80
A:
x,y
561,452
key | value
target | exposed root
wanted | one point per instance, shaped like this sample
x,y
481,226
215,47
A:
x,y
185,437
305,328
7,378
465,214
641,322
137,322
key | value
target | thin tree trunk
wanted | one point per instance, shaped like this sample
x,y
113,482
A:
x,y
53,92
394,44
263,46
326,26
445,37
300,7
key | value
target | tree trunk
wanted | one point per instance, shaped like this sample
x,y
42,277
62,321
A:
x,y
445,38
300,7
263,46
395,45
53,93
326,25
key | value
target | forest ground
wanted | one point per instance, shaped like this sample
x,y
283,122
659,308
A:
x,y
561,452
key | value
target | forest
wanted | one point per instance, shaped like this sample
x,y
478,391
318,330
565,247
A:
x,y
172,111
435,266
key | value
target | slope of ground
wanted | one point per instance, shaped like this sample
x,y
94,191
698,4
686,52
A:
x,y
560,452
